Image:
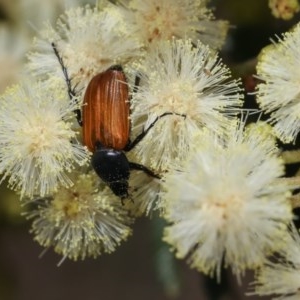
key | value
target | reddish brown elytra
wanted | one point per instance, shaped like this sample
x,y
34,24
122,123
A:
x,y
105,112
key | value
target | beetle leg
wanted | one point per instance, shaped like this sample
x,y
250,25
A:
x,y
71,91
135,166
132,144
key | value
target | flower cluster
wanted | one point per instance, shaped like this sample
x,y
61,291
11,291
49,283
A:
x,y
217,181
41,145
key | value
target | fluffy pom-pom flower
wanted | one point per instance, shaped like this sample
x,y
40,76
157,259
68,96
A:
x,y
89,42
155,20
192,85
224,203
83,221
279,94
38,147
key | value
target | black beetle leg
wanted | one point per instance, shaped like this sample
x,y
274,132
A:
x,y
135,166
132,144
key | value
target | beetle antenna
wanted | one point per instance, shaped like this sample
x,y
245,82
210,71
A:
x,y
145,131
71,91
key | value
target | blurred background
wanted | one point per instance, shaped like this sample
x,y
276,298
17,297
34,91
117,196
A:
x,y
143,267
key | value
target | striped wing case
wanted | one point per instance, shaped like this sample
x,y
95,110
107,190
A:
x,y
105,112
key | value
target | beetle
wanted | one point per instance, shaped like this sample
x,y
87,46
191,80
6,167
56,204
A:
x,y
106,129
106,126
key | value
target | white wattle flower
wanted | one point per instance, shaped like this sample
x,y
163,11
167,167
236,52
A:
x,y
192,84
155,20
89,42
37,145
281,277
224,203
279,94
83,221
